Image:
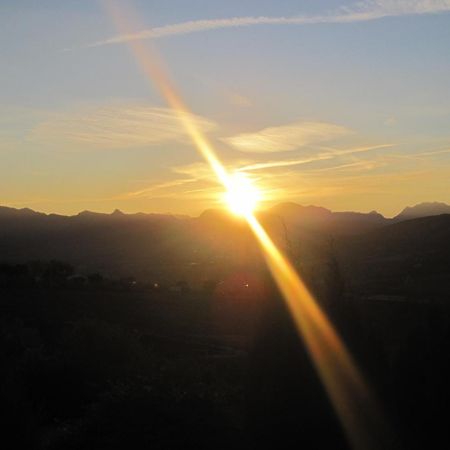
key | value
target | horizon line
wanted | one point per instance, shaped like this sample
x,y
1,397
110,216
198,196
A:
x,y
118,211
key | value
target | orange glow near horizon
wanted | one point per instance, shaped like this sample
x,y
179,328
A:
x,y
344,384
242,196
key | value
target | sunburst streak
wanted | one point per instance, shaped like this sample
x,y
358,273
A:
x,y
342,380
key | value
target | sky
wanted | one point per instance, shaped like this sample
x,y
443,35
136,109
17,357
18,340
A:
x,y
333,103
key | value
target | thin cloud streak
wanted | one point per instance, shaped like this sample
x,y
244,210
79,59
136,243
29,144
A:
x,y
351,167
315,158
113,127
161,186
286,137
435,152
358,12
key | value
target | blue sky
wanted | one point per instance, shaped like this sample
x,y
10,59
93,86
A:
x,y
322,102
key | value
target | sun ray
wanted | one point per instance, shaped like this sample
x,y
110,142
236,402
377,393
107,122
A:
x,y
342,380
242,196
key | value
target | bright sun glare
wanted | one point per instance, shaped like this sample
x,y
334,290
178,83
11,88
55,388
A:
x,y
341,378
242,196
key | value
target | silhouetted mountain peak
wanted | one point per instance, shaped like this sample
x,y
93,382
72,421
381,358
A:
x,y
294,208
317,218
6,211
423,210
88,214
117,213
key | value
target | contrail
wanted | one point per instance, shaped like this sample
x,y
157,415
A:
x,y
357,12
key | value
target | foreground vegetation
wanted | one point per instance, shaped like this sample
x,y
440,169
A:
x,y
117,365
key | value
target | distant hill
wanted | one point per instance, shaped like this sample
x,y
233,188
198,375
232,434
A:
x,y
413,255
326,221
153,247
423,210
117,243
163,247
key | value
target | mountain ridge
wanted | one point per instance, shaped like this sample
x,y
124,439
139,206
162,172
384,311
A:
x,y
423,209
167,247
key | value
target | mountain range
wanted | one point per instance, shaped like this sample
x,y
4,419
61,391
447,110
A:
x,y
169,248
423,210
289,211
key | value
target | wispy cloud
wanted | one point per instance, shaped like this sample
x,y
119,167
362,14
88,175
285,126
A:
x,y
194,180
197,181
357,12
197,170
286,137
434,152
155,188
356,166
113,127
330,154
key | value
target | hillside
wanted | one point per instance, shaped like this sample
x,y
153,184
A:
x,y
423,210
407,257
166,248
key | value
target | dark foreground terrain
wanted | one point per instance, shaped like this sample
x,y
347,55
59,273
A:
x,y
120,367
167,333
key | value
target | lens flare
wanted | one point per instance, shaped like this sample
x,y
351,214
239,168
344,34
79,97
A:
x,y
242,196
351,399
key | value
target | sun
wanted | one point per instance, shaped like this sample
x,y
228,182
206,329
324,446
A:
x,y
242,196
